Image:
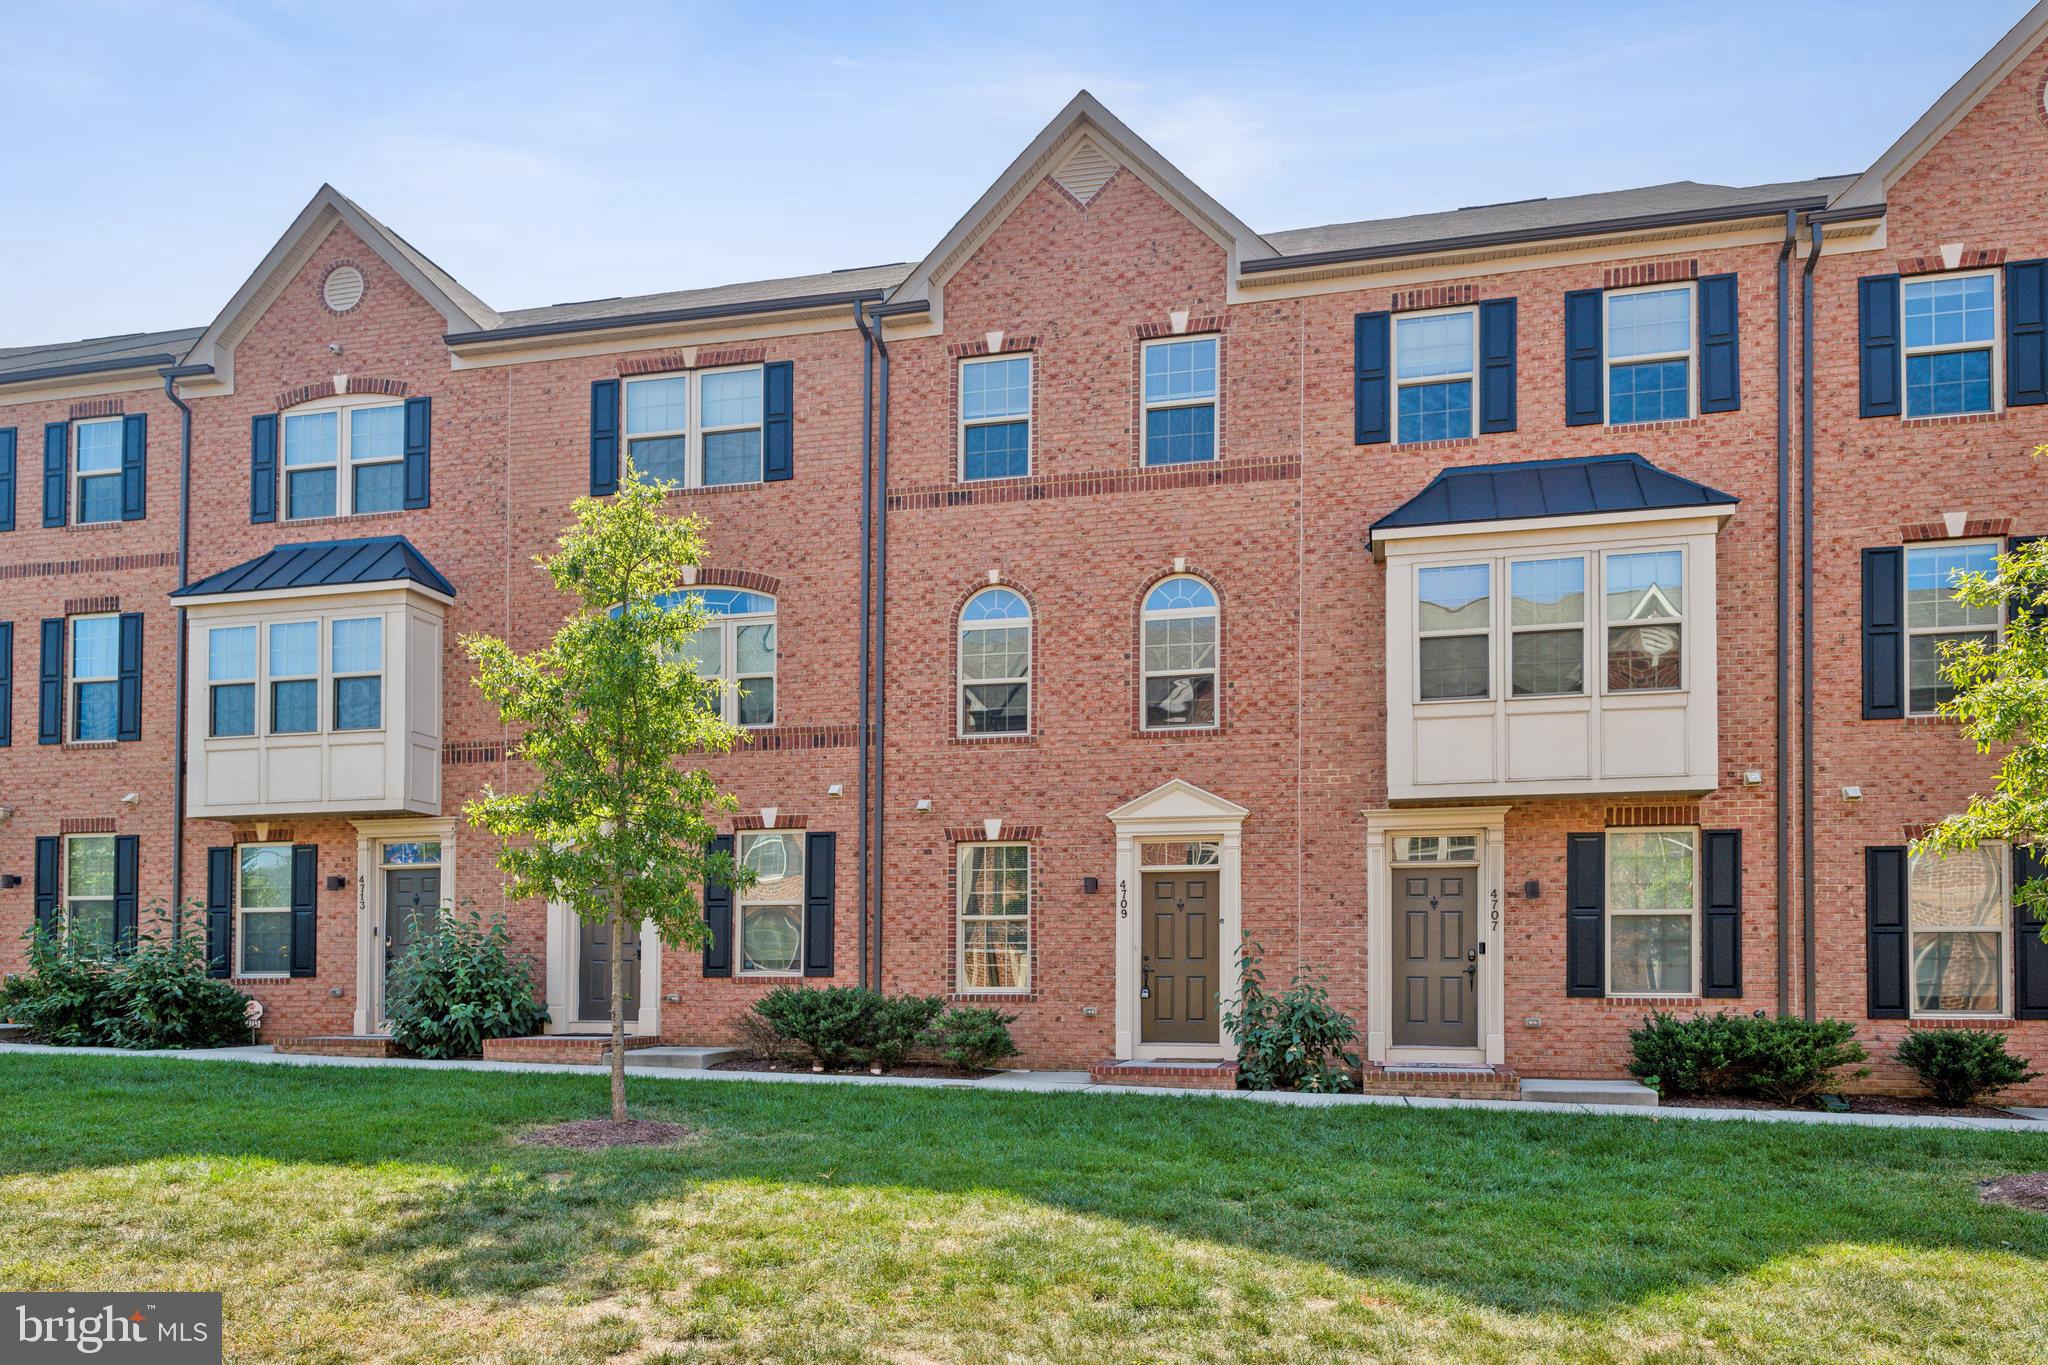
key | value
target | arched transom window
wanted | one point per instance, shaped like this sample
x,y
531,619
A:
x,y
995,664
736,647
1179,656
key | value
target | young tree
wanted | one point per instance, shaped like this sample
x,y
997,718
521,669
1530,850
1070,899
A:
x,y
616,825
2001,698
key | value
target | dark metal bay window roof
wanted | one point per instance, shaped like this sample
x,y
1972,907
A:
x,y
366,561
1592,485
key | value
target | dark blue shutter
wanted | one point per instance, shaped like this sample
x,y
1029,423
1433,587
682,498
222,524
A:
x,y
718,917
1887,960
1585,914
1877,328
2026,333
1497,365
1720,345
50,696
821,883
305,908
220,911
130,720
2037,610
125,898
778,413
56,488
1721,926
604,437
2029,953
49,871
263,467
6,683
1582,355
419,436
6,478
1371,381
1884,633
135,466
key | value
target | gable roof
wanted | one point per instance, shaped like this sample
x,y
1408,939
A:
x,y
95,355
1579,486
1955,103
862,283
325,564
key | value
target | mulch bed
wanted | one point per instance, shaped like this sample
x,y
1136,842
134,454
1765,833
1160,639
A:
x,y
2028,1191
929,1070
595,1134
1858,1104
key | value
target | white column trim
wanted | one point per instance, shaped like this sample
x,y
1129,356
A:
x,y
1489,824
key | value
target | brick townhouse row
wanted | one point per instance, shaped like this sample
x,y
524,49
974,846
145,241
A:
x,y
1524,616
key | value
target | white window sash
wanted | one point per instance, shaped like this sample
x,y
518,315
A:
x,y
1026,417
1689,354
1214,672
1030,643
1151,404
1470,375
1691,988
1944,347
744,897
80,477
1914,930
1552,627
1913,632
344,464
695,429
1492,567
963,860
730,680
243,911
71,901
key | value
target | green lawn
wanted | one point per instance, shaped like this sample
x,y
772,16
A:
x,y
353,1214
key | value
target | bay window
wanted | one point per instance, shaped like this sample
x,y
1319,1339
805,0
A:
x,y
1547,627
1455,617
231,681
294,677
357,665
1645,621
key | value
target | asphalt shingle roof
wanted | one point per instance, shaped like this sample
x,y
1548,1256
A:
x,y
107,353
325,564
1549,488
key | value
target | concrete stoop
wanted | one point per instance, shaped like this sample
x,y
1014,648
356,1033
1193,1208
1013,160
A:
x,y
1169,1073
1590,1092
686,1058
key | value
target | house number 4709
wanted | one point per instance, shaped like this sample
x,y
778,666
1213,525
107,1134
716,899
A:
x,y
1123,899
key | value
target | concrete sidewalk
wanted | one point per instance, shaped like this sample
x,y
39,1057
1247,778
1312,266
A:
x,y
1077,1082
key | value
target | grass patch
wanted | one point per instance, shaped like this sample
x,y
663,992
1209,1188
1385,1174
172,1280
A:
x,y
382,1213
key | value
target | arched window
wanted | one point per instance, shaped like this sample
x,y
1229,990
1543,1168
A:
x,y
1179,657
995,664
736,647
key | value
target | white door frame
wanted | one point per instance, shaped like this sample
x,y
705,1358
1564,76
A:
x,y
565,952
369,1015
1176,811
1489,824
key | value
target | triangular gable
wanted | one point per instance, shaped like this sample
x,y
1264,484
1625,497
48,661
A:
x,y
1178,799
1957,101
462,310
1081,148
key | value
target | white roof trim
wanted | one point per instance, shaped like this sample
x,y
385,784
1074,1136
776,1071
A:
x,y
1179,799
1953,106
1084,116
327,210
385,588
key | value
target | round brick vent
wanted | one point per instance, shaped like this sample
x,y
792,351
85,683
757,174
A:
x,y
343,288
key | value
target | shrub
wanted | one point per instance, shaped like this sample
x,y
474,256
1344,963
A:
x,y
1787,1060
1791,1060
66,995
1962,1066
973,1038
1296,1040
459,985
899,1024
834,1026
155,995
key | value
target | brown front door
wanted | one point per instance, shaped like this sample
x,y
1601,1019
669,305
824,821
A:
x,y
1436,958
1181,976
594,972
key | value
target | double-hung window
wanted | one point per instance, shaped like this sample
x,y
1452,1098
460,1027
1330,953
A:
x,y
294,677
96,465
344,461
89,890
1547,627
1951,330
1454,616
263,909
1179,665
1958,906
1645,621
1934,616
995,664
995,417
1649,354
1180,401
357,666
1652,911
995,917
696,430
772,909
95,677
736,648
231,681
1433,370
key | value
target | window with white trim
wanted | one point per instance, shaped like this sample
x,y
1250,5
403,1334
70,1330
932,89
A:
x,y
702,429
1958,906
1454,620
995,417
995,664
344,461
1653,897
1180,400
1645,621
1434,368
995,917
1951,336
356,663
1650,351
231,681
1936,618
263,909
294,659
95,677
736,649
1547,627
1178,663
96,466
771,911
89,889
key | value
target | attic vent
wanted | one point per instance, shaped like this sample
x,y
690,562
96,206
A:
x,y
1086,170
343,288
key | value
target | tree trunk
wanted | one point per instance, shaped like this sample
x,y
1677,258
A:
x,y
618,1011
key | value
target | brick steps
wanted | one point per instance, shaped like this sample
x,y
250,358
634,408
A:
x,y
1179,1075
1441,1081
590,1049
13,1033
340,1045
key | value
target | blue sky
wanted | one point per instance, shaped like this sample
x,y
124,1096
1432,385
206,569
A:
x,y
154,149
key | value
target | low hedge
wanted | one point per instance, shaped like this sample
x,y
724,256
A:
x,y
1786,1060
842,1026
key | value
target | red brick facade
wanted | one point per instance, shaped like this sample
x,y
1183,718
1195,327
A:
x,y
1276,524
